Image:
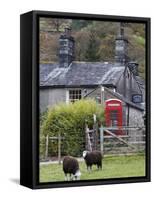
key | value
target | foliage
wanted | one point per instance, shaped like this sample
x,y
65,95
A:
x,y
69,122
43,116
79,24
113,167
92,51
81,42
54,24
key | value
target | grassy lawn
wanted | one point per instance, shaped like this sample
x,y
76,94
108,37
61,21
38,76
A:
x,y
113,167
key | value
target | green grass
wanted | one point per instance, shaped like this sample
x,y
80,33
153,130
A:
x,y
113,167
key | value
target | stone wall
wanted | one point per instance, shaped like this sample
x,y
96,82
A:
x,y
136,117
50,97
136,120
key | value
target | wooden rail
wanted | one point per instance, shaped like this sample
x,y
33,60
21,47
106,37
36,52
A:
x,y
120,139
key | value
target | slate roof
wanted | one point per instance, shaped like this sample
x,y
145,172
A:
x,y
140,81
80,74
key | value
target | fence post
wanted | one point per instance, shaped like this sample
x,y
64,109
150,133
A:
x,y
101,139
86,136
46,146
59,148
89,142
94,133
97,135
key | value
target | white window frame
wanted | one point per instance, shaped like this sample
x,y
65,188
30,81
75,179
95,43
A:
x,y
75,96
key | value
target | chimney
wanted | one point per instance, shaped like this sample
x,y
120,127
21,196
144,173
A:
x,y
121,46
66,48
133,66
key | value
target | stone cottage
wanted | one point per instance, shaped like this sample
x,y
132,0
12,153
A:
x,y
69,80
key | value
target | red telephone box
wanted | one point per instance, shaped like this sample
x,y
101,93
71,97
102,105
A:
x,y
113,114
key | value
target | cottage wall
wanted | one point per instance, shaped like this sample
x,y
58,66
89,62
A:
x,y
93,93
50,97
136,117
136,120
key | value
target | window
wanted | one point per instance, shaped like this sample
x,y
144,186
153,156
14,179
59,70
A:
x,y
114,117
75,95
113,114
137,98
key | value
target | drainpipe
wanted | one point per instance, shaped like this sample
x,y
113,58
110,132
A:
x,y
102,95
125,82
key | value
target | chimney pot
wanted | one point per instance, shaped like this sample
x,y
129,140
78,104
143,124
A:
x,y
66,48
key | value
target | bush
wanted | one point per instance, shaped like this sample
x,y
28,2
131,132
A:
x,y
69,121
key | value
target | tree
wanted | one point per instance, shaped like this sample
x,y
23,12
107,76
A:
x,y
77,25
53,24
92,50
81,42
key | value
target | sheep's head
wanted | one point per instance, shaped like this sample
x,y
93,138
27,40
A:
x,y
84,154
77,175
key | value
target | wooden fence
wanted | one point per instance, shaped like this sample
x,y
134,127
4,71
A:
x,y
105,140
111,143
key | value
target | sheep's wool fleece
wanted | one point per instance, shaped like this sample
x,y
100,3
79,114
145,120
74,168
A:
x,y
70,165
93,157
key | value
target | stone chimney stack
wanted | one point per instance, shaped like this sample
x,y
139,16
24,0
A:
x,y
121,46
66,48
133,66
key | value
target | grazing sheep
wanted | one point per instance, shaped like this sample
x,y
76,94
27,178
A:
x,y
71,167
93,158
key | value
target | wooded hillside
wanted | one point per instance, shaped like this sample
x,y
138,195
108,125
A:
x,y
94,40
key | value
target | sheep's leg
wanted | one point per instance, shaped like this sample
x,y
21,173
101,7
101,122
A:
x,y
71,177
66,178
100,166
88,169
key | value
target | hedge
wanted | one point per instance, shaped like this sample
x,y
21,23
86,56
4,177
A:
x,y
68,120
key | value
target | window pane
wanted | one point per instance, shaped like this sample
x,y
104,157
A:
x,y
74,95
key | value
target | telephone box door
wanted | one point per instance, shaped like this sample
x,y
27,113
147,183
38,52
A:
x,y
113,114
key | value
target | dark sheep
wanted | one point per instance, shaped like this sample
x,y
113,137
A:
x,y
71,168
93,158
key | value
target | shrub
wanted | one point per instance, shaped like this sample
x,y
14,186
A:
x,y
68,120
